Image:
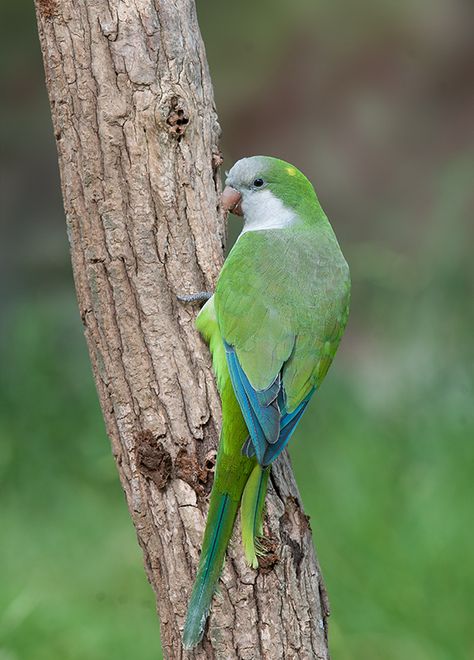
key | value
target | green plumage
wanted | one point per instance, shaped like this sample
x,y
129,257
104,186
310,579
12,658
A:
x,y
300,274
251,512
280,306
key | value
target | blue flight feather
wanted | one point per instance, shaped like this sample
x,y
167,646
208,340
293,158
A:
x,y
263,421
288,424
247,448
264,411
253,425
268,396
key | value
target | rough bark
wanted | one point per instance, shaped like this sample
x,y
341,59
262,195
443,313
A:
x,y
137,138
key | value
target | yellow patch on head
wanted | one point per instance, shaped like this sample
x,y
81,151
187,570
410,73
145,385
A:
x,y
291,171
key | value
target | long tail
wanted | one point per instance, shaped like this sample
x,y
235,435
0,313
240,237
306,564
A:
x,y
251,513
223,509
232,471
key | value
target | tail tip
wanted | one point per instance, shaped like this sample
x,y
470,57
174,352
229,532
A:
x,y
189,644
193,630
190,640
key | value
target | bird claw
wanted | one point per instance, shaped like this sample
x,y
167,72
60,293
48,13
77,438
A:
x,y
200,296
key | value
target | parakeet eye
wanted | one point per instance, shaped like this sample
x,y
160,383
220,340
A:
x,y
258,183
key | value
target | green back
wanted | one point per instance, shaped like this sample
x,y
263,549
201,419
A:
x,y
282,301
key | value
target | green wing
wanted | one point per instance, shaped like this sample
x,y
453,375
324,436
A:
x,y
281,303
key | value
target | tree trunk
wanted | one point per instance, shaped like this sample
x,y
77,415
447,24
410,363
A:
x,y
137,138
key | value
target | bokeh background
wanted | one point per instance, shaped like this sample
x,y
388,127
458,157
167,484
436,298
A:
x,y
374,100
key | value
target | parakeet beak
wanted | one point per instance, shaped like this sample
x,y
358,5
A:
x,y
230,200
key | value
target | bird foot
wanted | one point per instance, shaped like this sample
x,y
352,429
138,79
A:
x,y
199,297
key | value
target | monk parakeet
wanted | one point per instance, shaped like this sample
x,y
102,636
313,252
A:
x,y
273,326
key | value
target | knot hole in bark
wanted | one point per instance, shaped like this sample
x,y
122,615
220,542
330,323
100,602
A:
x,y
199,477
210,462
178,118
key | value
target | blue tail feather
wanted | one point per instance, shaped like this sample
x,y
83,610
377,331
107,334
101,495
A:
x,y
221,519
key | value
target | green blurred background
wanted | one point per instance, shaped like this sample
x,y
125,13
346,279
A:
x,y
375,102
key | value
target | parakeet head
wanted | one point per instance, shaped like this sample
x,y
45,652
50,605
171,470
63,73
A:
x,y
269,193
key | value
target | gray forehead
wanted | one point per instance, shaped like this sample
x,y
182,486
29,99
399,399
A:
x,y
245,170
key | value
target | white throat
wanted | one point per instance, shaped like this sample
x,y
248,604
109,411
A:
x,y
262,210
